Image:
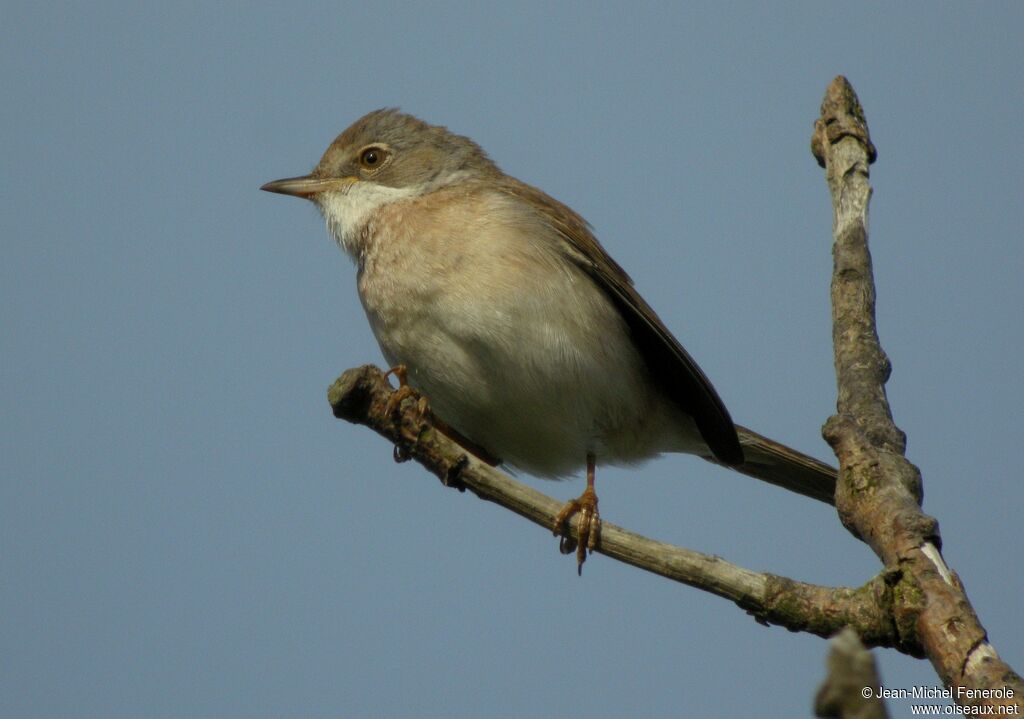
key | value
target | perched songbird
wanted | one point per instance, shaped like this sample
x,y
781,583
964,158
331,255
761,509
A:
x,y
512,320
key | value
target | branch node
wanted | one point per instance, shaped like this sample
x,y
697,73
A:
x,y
841,116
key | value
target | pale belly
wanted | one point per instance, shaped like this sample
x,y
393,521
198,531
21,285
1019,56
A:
x,y
537,368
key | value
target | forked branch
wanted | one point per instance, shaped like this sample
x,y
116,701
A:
x,y
917,604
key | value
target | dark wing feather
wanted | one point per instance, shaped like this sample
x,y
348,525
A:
x,y
669,363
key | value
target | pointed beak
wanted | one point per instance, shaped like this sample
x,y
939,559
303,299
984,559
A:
x,y
308,186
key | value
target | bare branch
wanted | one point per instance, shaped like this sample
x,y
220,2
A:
x,y
916,605
879,492
361,396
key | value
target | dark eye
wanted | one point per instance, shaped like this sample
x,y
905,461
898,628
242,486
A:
x,y
372,157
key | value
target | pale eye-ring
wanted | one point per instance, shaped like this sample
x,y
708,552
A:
x,y
372,157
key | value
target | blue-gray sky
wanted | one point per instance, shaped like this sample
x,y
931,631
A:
x,y
186,531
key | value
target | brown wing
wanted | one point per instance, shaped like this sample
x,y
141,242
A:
x,y
669,363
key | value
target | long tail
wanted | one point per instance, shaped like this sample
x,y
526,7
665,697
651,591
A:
x,y
776,463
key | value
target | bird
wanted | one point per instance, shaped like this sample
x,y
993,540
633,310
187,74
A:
x,y
497,302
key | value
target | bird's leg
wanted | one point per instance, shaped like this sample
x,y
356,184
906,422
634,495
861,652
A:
x,y
588,528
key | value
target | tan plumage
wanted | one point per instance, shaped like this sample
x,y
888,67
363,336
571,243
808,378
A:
x,y
524,334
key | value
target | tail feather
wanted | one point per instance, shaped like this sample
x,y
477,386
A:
x,y
777,464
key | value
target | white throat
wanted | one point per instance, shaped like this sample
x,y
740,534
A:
x,y
348,211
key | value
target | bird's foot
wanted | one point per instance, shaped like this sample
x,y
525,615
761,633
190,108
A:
x,y
588,526
410,429
403,392
423,412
